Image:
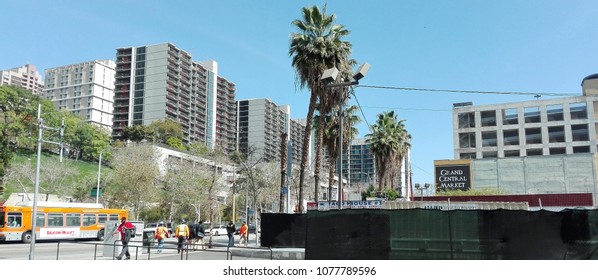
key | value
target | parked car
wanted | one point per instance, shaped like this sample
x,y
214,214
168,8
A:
x,y
218,230
251,228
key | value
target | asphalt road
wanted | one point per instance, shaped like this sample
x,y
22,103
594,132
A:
x,y
93,250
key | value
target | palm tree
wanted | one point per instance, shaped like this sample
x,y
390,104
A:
x,y
389,142
316,47
330,125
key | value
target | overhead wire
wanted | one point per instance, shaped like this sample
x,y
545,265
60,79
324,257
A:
x,y
470,91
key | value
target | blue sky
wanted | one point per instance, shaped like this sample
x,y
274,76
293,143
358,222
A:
x,y
522,46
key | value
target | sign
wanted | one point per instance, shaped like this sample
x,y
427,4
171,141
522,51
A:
x,y
452,177
59,232
347,204
284,190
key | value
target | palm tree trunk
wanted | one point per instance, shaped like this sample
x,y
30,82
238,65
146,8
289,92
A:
x,y
318,162
309,119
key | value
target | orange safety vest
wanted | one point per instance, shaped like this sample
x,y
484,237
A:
x,y
161,232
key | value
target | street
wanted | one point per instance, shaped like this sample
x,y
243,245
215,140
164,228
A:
x,y
90,250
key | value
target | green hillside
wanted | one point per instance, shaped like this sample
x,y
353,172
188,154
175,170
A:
x,y
84,173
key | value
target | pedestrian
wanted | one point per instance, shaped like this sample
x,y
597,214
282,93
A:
x,y
192,235
230,232
182,234
244,233
124,229
161,234
201,232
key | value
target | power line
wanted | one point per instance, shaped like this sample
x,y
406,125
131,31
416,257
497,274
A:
x,y
408,109
472,91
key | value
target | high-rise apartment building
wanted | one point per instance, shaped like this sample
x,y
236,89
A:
x,y
359,166
260,125
26,77
161,81
85,89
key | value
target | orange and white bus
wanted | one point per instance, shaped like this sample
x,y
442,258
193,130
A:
x,y
56,220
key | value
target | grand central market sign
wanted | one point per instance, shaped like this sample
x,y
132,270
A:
x,y
453,177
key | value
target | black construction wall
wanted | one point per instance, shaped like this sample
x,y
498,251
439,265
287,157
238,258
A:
x,y
283,230
436,234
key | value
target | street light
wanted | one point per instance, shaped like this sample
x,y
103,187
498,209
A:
x,y
421,189
328,77
99,174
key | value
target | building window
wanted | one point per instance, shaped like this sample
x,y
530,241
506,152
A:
x,y
554,112
512,153
490,154
581,149
557,151
531,114
534,152
466,120
467,155
467,140
511,137
509,116
489,139
556,134
533,135
488,118
578,111
579,132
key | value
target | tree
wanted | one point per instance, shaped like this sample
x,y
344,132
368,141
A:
x,y
136,174
316,47
18,119
163,130
389,142
330,124
138,133
186,185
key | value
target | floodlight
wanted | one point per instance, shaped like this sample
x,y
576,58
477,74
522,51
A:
x,y
329,75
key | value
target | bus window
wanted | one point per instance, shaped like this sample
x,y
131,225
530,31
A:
x,y
73,220
1,219
89,219
113,217
102,218
15,219
41,220
55,220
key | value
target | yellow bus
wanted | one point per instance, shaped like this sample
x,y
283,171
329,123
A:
x,y
56,220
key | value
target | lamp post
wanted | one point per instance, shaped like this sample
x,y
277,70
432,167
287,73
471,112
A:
x,y
421,189
100,173
329,76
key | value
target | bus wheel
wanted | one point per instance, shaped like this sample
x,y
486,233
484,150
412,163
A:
x,y
26,237
100,235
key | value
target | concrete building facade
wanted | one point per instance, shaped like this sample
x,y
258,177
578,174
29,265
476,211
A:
x,y
26,77
157,82
86,89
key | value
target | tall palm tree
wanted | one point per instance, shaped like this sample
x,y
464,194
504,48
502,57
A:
x,y
316,47
330,123
389,142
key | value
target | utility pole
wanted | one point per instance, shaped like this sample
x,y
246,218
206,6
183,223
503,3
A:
x,y
41,127
283,167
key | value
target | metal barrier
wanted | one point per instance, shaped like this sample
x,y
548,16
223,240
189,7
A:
x,y
136,249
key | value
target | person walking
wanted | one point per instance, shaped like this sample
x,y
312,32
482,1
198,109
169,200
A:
x,y
161,234
244,233
124,229
230,232
192,235
182,234
201,232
